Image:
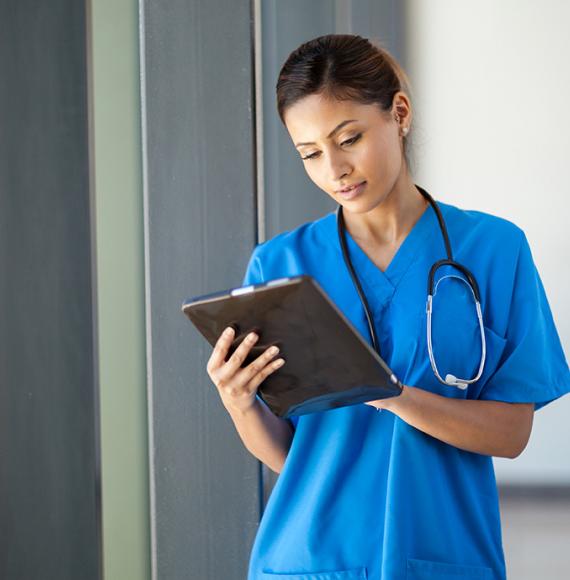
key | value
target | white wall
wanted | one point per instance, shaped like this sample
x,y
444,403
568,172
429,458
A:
x,y
490,85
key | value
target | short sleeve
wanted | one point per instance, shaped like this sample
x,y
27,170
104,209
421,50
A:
x,y
253,271
532,368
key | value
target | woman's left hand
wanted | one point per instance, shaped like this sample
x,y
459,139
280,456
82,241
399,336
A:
x,y
391,403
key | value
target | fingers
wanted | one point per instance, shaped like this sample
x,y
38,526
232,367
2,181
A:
x,y
228,375
260,365
221,348
234,363
222,371
262,374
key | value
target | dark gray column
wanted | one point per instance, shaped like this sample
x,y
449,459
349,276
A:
x,y
49,501
290,196
200,198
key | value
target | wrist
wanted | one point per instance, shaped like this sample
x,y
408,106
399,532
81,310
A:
x,y
241,409
394,404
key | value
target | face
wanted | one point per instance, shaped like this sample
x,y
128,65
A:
x,y
345,143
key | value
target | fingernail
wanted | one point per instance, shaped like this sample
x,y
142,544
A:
x,y
229,331
252,336
273,350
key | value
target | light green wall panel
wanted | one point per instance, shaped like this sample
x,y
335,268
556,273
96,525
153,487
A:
x,y
120,288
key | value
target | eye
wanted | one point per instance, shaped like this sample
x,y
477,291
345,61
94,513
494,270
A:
x,y
352,140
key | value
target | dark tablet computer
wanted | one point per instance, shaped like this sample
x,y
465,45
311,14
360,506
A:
x,y
328,363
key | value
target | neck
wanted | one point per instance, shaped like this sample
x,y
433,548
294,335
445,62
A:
x,y
392,219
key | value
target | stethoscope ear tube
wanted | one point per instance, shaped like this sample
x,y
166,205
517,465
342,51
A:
x,y
342,238
450,379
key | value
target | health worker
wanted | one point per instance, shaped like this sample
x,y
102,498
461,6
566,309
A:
x,y
400,488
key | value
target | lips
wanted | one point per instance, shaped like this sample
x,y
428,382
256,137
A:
x,y
349,187
352,192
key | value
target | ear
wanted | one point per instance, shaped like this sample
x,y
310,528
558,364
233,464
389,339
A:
x,y
402,108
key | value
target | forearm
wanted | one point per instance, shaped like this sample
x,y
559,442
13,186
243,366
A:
x,y
265,435
487,427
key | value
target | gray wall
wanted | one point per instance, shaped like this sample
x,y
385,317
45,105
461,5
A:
x,y
49,504
198,133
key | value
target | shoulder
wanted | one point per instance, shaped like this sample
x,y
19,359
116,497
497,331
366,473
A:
x,y
304,237
294,252
475,227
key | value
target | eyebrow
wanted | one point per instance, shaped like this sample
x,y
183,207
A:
x,y
331,134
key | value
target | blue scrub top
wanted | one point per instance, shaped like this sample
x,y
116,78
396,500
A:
x,y
362,494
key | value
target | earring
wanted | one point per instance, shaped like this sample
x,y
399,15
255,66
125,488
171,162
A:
x,y
404,129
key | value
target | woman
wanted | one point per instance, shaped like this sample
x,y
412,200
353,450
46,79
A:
x,y
408,493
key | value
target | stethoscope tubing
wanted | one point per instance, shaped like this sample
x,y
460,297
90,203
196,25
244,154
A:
x,y
449,261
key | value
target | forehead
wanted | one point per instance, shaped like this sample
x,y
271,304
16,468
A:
x,y
315,116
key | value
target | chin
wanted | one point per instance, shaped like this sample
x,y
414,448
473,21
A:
x,y
362,205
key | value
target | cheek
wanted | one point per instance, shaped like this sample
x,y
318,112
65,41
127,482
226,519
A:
x,y
381,155
315,176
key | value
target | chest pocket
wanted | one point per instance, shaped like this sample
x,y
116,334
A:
x,y
354,574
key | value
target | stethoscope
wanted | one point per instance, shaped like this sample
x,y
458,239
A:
x,y
471,283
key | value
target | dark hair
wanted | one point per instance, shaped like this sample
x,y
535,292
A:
x,y
342,67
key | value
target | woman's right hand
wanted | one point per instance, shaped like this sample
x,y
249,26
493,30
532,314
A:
x,y
237,386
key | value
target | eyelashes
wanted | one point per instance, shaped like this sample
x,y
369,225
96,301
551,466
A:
x,y
350,141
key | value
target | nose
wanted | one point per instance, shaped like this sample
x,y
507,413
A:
x,y
338,167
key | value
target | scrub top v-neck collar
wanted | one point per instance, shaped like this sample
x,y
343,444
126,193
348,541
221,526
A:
x,y
383,284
